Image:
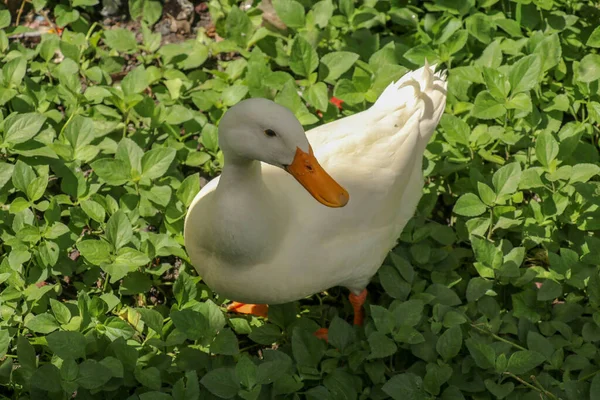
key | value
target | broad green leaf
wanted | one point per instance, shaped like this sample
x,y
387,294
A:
x,y
19,128
93,375
323,11
136,81
67,344
94,251
120,39
381,345
221,382
525,73
487,107
546,149
316,95
506,179
589,68
304,58
307,348
118,230
42,323
456,130
405,386
291,12
524,361
156,162
594,39
334,64
114,172
239,27
449,344
469,205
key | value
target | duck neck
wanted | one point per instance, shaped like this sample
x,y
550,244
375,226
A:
x,y
248,227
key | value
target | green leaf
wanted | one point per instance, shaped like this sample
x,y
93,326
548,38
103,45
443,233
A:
x,y
136,81
304,58
546,149
334,64
340,333
42,323
93,210
583,172
550,51
5,18
449,344
152,318
496,83
113,172
323,11
26,353
406,386
469,205
482,353
221,382
347,7
19,128
67,344
4,342
118,230
225,343
60,311
594,39
93,375
347,91
149,377
408,313
487,107
456,130
291,12
6,172
500,391
94,251
191,323
522,362
234,94
525,73
316,95
481,27
239,27
120,39
307,348
550,290
589,68
156,162
506,179
47,378
381,345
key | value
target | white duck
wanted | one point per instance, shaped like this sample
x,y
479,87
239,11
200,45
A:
x,y
257,236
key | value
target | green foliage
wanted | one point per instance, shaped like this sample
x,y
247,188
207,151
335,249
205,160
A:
x,y
493,291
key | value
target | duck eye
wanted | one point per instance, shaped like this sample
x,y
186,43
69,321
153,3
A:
x,y
270,133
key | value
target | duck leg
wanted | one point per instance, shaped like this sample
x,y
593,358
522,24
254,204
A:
x,y
357,301
260,310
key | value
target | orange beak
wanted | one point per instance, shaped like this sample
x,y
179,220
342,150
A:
x,y
307,170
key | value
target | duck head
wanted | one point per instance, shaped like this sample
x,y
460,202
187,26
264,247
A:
x,y
261,130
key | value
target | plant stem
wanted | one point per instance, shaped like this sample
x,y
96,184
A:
x,y
499,338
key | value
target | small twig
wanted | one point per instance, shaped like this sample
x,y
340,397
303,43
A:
x,y
588,376
543,389
20,12
530,386
498,337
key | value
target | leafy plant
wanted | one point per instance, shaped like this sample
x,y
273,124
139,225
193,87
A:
x,y
493,291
